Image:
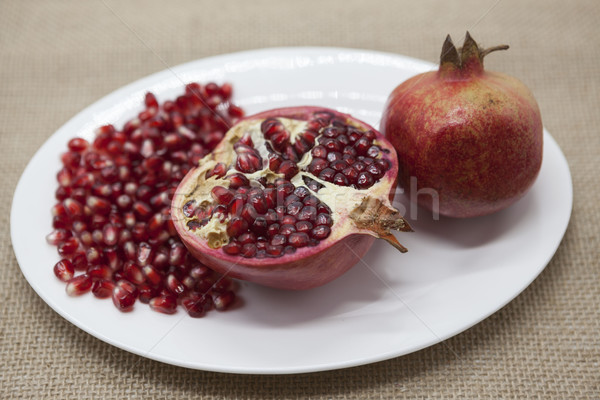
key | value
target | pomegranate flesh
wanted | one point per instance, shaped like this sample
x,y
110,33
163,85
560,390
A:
x,y
469,141
291,198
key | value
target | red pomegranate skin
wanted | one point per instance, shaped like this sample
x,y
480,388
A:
x,y
306,270
473,136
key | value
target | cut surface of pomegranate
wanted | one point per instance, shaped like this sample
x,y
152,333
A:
x,y
291,198
112,225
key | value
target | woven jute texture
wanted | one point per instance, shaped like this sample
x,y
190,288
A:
x,y
56,57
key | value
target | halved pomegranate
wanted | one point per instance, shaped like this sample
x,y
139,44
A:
x,y
291,198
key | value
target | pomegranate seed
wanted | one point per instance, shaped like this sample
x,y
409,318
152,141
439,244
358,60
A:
x,y
219,171
259,226
102,288
319,152
73,208
62,192
175,285
129,250
351,174
143,193
177,254
338,165
289,169
237,180
79,262
308,213
78,145
79,285
164,304
133,273
373,151
383,164
275,161
375,171
288,219
64,270
321,232
143,254
331,145
224,300
69,246
287,229
100,271
111,256
324,219
280,139
124,295
364,180
362,146
64,177
301,146
327,174
58,236
274,250
248,250
236,226
247,237
142,210
298,239
189,208
278,240
93,256
304,226
110,234
222,195
270,126
340,179
147,293
232,248
248,162
155,224
370,135
152,275
197,305
258,202
294,208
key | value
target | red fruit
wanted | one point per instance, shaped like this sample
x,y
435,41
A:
x,y
166,304
103,288
197,305
64,270
79,285
124,295
279,231
478,147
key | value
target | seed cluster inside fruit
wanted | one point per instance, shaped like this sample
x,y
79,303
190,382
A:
x,y
112,224
265,199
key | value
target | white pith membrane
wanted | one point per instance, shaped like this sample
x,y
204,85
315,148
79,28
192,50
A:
x,y
352,210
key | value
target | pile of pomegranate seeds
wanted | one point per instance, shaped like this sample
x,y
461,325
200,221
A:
x,y
272,218
112,225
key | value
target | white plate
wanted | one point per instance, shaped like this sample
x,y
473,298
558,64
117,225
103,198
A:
x,y
456,273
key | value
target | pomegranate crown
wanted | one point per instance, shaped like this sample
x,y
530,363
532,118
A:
x,y
466,59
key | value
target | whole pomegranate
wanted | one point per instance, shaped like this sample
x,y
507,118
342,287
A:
x,y
291,198
473,136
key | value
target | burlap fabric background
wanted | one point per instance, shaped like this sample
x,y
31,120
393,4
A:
x,y
56,57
